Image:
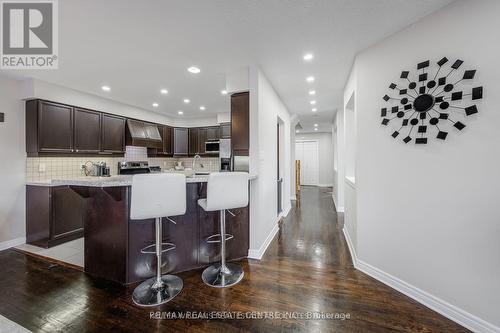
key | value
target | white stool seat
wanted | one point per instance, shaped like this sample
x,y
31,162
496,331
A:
x,y
157,196
225,190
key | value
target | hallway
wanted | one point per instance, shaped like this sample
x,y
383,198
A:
x,y
307,268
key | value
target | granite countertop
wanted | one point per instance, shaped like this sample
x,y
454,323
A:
x,y
119,180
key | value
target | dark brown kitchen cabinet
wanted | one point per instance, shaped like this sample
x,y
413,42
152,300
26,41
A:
x,y
213,133
49,128
167,138
202,138
181,141
240,121
113,134
54,215
87,131
194,143
225,131
54,129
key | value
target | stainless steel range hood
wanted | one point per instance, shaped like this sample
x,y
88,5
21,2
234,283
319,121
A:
x,y
143,134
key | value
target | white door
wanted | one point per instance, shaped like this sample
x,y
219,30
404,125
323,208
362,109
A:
x,y
307,153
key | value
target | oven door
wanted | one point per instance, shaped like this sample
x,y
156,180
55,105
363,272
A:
x,y
212,147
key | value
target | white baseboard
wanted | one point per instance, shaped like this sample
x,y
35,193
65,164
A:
x,y
293,197
12,243
285,212
257,254
448,310
325,185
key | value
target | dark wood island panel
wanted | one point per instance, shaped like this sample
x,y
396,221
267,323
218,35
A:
x,y
113,242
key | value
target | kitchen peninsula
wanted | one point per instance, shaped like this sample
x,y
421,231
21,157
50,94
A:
x,y
65,207
113,241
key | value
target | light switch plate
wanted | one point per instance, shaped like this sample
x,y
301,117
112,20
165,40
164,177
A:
x,y
41,167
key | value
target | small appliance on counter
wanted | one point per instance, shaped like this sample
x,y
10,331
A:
x,y
179,166
225,154
96,169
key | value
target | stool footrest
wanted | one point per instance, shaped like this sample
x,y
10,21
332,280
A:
x,y
217,238
151,249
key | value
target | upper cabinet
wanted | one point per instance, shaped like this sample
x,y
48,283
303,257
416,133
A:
x,y
87,131
113,134
49,128
54,129
194,142
240,121
225,131
213,133
181,141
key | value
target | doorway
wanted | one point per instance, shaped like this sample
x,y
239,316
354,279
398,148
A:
x,y
307,153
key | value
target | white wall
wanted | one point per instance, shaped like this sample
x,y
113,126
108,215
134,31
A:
x,y
12,168
428,216
325,150
265,108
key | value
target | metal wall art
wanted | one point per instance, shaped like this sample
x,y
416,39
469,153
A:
x,y
428,104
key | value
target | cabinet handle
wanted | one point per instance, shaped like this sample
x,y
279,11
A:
x,y
77,150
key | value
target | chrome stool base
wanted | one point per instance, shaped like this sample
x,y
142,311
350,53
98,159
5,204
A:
x,y
147,295
214,275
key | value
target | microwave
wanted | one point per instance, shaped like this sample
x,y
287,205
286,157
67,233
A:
x,y
212,147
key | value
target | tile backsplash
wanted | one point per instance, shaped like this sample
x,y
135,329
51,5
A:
x,y
47,168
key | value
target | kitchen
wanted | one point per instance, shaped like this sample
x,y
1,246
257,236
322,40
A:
x,y
62,207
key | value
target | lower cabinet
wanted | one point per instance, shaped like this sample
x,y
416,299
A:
x,y
54,215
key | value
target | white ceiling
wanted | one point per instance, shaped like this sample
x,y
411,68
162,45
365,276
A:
x,y
139,47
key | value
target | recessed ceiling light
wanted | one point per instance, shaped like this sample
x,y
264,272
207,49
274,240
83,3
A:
x,y
106,88
315,129
194,70
186,100
315,125
180,113
202,108
314,110
312,92
312,102
164,91
223,92
155,105
310,79
308,56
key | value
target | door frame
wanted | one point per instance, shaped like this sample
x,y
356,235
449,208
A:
x,y
317,156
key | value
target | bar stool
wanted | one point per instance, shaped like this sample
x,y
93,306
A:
x,y
225,190
156,196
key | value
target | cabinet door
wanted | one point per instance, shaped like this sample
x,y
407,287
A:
x,y
181,141
113,134
87,131
193,141
67,212
167,140
213,133
240,123
202,138
55,128
225,131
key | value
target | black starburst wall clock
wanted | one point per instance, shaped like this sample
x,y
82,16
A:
x,y
430,102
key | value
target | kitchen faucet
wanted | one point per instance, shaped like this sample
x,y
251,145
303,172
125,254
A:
x,y
194,162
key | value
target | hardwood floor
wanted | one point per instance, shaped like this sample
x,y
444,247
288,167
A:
x,y
307,268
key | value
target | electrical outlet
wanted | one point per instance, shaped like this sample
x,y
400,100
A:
x,y
41,167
